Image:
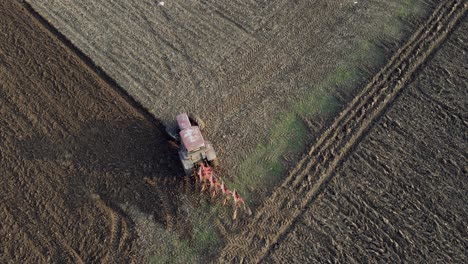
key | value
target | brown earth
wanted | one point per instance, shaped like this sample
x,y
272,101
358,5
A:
x,y
72,149
278,214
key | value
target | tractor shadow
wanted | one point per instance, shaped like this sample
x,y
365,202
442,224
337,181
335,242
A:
x,y
127,162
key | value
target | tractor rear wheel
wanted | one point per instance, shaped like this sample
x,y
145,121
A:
x,y
214,163
189,172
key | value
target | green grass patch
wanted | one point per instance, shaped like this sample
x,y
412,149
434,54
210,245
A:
x,y
406,8
205,238
289,134
264,166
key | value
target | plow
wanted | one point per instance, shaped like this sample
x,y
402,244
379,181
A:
x,y
199,160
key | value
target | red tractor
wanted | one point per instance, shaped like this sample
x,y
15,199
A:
x,y
199,158
193,150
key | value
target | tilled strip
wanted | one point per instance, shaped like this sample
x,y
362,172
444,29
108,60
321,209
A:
x,y
313,172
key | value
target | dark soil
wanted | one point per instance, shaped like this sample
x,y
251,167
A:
x,y
72,149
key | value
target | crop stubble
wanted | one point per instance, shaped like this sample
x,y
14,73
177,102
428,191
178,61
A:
x,y
233,62
278,213
72,149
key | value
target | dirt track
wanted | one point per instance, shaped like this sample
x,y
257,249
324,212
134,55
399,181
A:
x,y
72,149
275,218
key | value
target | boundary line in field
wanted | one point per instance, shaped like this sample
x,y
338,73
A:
x,y
91,65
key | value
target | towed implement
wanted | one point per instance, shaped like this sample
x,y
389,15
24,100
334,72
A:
x,y
198,158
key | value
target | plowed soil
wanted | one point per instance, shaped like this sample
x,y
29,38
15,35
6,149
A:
x,y
71,149
280,212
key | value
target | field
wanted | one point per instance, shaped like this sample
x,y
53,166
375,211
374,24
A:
x,y
401,195
87,87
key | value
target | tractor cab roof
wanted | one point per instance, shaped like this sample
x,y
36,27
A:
x,y
192,138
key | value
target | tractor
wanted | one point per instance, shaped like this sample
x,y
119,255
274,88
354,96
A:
x,y
193,149
199,158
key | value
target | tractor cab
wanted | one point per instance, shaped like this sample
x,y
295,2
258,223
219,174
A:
x,y
192,139
194,149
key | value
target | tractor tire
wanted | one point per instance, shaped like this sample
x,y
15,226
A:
x,y
214,163
197,121
172,132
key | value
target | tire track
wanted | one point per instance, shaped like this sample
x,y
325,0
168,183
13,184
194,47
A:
x,y
37,251
169,211
28,222
313,172
120,227
252,20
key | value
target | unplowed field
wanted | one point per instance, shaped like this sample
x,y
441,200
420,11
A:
x,y
71,150
237,63
279,212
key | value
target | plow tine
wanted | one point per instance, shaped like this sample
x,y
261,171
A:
x,y
210,182
198,155
234,216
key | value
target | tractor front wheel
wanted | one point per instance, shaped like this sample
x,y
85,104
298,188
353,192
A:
x,y
195,120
